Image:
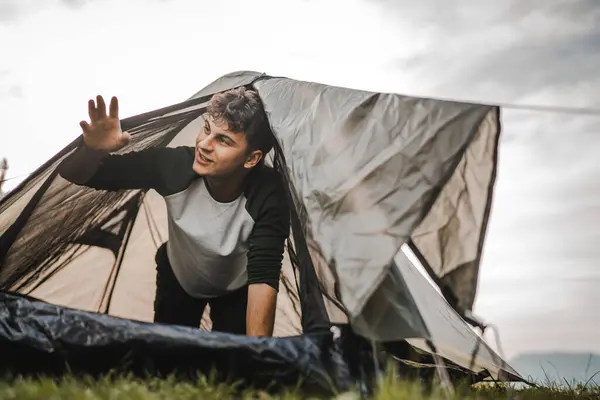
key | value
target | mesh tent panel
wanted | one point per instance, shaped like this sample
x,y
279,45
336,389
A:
x,y
67,214
15,201
135,289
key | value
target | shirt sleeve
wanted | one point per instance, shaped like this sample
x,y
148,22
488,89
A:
x,y
271,229
160,169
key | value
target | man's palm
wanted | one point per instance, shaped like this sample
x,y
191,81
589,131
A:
x,y
104,131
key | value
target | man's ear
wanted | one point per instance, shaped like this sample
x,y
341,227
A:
x,y
253,158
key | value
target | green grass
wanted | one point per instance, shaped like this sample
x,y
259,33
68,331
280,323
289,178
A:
x,y
117,388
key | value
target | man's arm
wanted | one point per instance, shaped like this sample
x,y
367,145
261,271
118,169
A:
x,y
260,315
82,165
101,136
94,165
265,255
101,170
164,169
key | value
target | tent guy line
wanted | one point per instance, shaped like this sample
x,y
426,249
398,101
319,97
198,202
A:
x,y
515,106
552,109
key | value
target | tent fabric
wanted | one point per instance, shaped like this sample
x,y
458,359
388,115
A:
x,y
369,165
366,172
450,238
453,338
406,306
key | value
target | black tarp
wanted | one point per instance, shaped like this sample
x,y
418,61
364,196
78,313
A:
x,y
41,338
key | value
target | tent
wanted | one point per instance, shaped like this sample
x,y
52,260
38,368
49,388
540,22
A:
x,y
373,178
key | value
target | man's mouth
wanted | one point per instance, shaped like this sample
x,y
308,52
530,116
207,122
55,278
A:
x,y
202,159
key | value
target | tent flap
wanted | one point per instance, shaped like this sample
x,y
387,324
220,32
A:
x,y
450,238
370,165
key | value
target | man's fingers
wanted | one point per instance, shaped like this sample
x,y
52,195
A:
x,y
84,126
114,107
125,138
101,109
92,110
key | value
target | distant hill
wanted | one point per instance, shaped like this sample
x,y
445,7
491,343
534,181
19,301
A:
x,y
558,367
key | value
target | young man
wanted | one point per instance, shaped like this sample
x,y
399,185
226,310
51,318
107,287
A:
x,y
227,212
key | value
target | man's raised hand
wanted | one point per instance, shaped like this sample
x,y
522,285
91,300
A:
x,y
104,131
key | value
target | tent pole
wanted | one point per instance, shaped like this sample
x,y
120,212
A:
x,y
440,366
376,364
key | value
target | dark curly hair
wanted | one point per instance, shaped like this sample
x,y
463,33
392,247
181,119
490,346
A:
x,y
242,110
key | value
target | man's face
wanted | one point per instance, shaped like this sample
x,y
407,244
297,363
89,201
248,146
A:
x,y
220,152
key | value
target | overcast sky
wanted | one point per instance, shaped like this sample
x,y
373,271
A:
x,y
541,261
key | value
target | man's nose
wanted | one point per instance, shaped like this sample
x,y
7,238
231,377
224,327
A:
x,y
206,143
